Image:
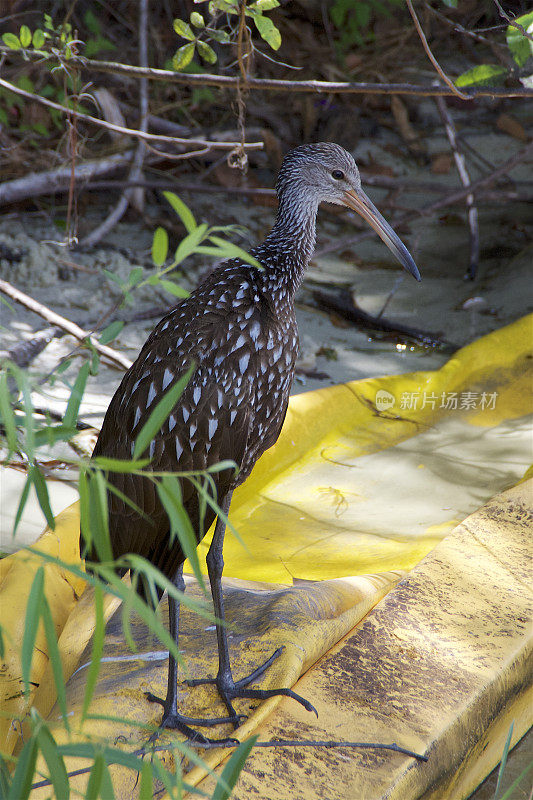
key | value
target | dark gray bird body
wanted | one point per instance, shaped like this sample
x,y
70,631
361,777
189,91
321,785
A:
x,y
245,344
239,328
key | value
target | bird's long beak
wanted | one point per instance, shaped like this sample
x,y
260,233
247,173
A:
x,y
358,201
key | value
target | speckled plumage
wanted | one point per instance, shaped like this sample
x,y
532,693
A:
x,y
243,337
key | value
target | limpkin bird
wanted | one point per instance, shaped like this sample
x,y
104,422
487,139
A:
x,y
239,329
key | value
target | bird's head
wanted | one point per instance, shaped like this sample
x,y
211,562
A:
x,y
327,173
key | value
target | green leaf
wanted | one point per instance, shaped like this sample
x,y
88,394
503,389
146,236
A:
x,y
41,489
233,769
190,243
31,623
183,56
173,288
11,41
55,763
197,20
520,46
97,651
55,660
76,395
169,491
92,22
181,209
6,414
135,276
21,784
265,5
38,39
268,31
230,250
161,413
25,36
218,35
206,52
111,332
160,247
183,29
482,74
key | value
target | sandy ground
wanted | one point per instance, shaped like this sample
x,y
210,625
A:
x,y
502,291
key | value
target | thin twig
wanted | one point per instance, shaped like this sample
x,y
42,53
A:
x,y
512,22
430,55
232,743
267,84
66,324
460,163
149,137
136,168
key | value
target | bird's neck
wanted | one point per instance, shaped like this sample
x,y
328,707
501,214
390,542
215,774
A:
x,y
287,250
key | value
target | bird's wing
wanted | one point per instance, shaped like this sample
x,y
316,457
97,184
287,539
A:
x,y
210,423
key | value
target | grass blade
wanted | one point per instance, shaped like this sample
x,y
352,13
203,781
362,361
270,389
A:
x,y
145,789
76,395
55,763
55,660
42,494
7,416
503,761
161,413
22,503
169,492
510,793
31,623
97,651
21,785
232,770
94,783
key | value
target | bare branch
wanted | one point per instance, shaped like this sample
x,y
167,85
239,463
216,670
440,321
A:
x,y
460,163
56,180
503,13
149,137
430,55
61,322
268,84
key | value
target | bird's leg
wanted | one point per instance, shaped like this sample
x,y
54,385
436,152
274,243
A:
x,y
171,717
228,688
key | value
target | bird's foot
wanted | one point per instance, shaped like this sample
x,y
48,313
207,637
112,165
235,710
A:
x,y
229,689
171,719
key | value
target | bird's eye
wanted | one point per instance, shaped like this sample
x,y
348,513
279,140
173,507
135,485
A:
x,y
338,174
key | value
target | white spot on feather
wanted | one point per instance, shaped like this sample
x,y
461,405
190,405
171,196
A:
x,y
151,395
167,377
243,362
196,394
213,425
